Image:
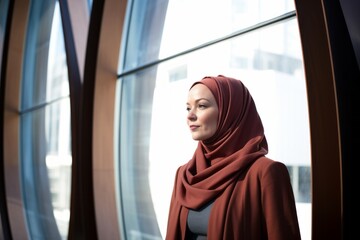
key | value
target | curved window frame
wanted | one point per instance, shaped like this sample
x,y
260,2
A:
x,y
19,12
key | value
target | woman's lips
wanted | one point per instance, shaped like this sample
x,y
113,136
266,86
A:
x,y
193,127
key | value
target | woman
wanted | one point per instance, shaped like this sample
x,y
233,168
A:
x,y
229,189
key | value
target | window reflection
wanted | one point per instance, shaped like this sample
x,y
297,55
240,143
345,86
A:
x,y
154,139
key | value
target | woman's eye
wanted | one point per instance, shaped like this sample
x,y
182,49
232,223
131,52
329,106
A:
x,y
201,106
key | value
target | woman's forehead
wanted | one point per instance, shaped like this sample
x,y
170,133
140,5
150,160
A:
x,y
200,91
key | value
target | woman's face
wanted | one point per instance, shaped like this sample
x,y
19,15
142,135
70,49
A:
x,y
202,112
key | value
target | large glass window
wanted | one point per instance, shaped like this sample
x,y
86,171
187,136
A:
x,y
256,42
45,125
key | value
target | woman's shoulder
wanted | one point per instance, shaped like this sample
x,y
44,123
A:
x,y
181,168
265,166
264,162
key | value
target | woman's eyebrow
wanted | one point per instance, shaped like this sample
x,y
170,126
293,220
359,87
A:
x,y
198,99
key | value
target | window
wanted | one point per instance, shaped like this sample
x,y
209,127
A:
x,y
171,44
45,125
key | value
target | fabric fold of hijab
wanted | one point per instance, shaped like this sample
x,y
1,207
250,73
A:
x,y
218,161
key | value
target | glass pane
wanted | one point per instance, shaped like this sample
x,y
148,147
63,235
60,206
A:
x,y
155,139
189,23
46,169
45,126
3,15
137,207
45,66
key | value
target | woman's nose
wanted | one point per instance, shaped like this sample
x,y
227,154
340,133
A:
x,y
191,115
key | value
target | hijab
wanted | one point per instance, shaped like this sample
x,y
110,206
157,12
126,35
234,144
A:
x,y
217,162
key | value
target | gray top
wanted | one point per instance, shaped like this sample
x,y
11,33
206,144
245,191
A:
x,y
198,221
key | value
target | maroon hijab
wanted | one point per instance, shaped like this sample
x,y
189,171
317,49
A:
x,y
218,161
